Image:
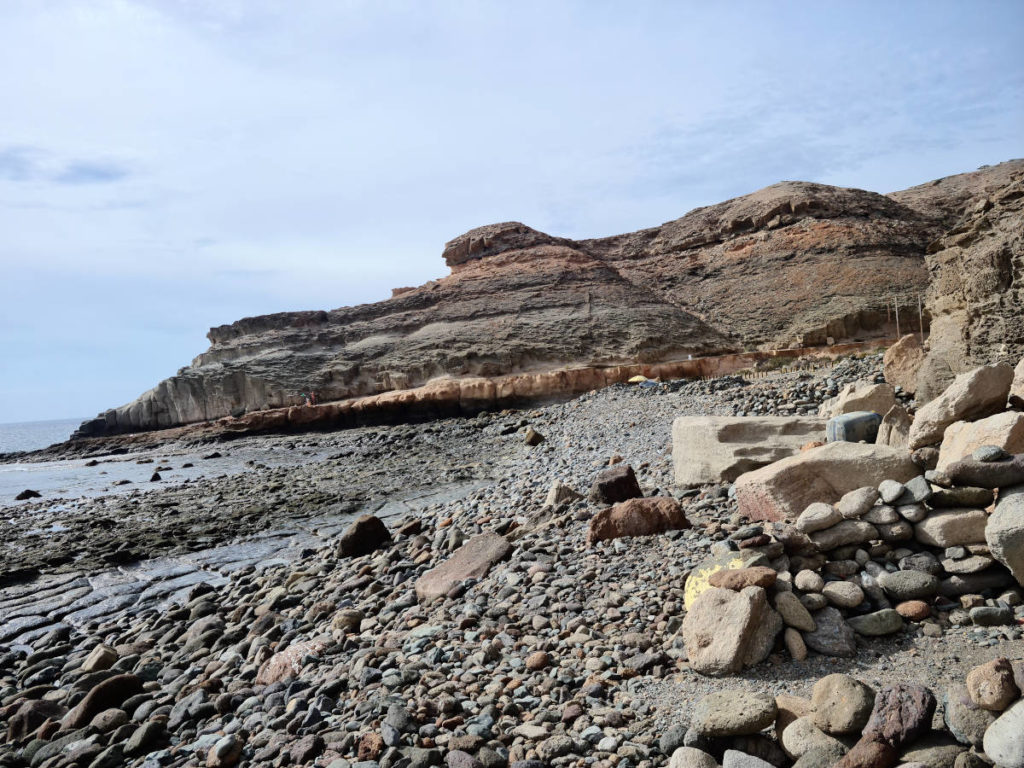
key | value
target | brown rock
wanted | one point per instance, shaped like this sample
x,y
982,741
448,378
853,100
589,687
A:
x,y
538,660
915,610
725,631
894,430
962,438
900,715
470,561
841,704
784,489
367,534
108,694
637,517
740,578
972,395
615,484
869,754
286,664
371,746
902,361
991,686
30,715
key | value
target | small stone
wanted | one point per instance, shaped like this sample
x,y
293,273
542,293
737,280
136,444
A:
x,y
990,453
100,658
986,616
226,752
533,437
869,754
832,635
793,612
908,585
890,490
991,686
883,622
736,759
841,704
914,610
688,757
817,517
802,736
844,594
739,578
732,713
964,719
856,503
809,581
794,644
538,660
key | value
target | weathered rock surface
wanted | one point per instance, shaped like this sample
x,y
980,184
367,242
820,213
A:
x,y
715,449
1004,532
876,398
518,300
980,392
902,362
962,438
974,294
638,517
784,489
471,561
725,631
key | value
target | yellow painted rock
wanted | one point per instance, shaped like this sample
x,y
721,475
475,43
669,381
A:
x,y
637,379
697,581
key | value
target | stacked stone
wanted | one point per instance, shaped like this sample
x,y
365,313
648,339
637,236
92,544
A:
x,y
847,724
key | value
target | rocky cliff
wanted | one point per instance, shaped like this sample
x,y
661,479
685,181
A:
x,y
974,295
794,264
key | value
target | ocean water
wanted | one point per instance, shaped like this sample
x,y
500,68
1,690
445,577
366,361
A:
x,y
32,435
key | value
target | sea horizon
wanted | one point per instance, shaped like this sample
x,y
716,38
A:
x,y
36,434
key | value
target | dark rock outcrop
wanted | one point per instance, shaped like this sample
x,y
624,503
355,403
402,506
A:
x,y
793,264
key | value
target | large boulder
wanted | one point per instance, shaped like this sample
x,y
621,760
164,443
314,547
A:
x,y
902,361
962,438
1004,532
1003,743
784,489
861,396
725,631
637,517
471,561
972,395
717,449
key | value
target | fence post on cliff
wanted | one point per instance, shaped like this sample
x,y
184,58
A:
x,y
897,309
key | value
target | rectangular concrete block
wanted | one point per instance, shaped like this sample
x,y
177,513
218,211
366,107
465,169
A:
x,y
718,449
853,427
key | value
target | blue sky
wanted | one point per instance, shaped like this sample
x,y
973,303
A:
x,y
170,166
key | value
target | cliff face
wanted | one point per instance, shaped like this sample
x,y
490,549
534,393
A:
x,y
975,271
791,264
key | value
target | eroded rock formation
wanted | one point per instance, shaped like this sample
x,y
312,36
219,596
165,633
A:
x,y
794,264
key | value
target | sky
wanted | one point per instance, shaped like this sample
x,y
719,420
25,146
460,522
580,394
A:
x,y
171,165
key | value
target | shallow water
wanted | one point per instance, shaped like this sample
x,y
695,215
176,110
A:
x,y
33,435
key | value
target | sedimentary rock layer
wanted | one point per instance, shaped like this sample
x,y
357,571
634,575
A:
x,y
793,264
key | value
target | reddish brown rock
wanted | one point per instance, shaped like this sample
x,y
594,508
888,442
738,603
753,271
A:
x,y
287,664
869,754
902,361
757,576
637,517
915,610
470,561
991,686
792,264
901,714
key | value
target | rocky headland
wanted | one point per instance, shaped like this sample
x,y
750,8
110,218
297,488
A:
x,y
524,315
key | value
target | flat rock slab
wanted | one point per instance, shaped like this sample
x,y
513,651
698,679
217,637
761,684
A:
x,y
782,490
471,561
962,438
718,449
